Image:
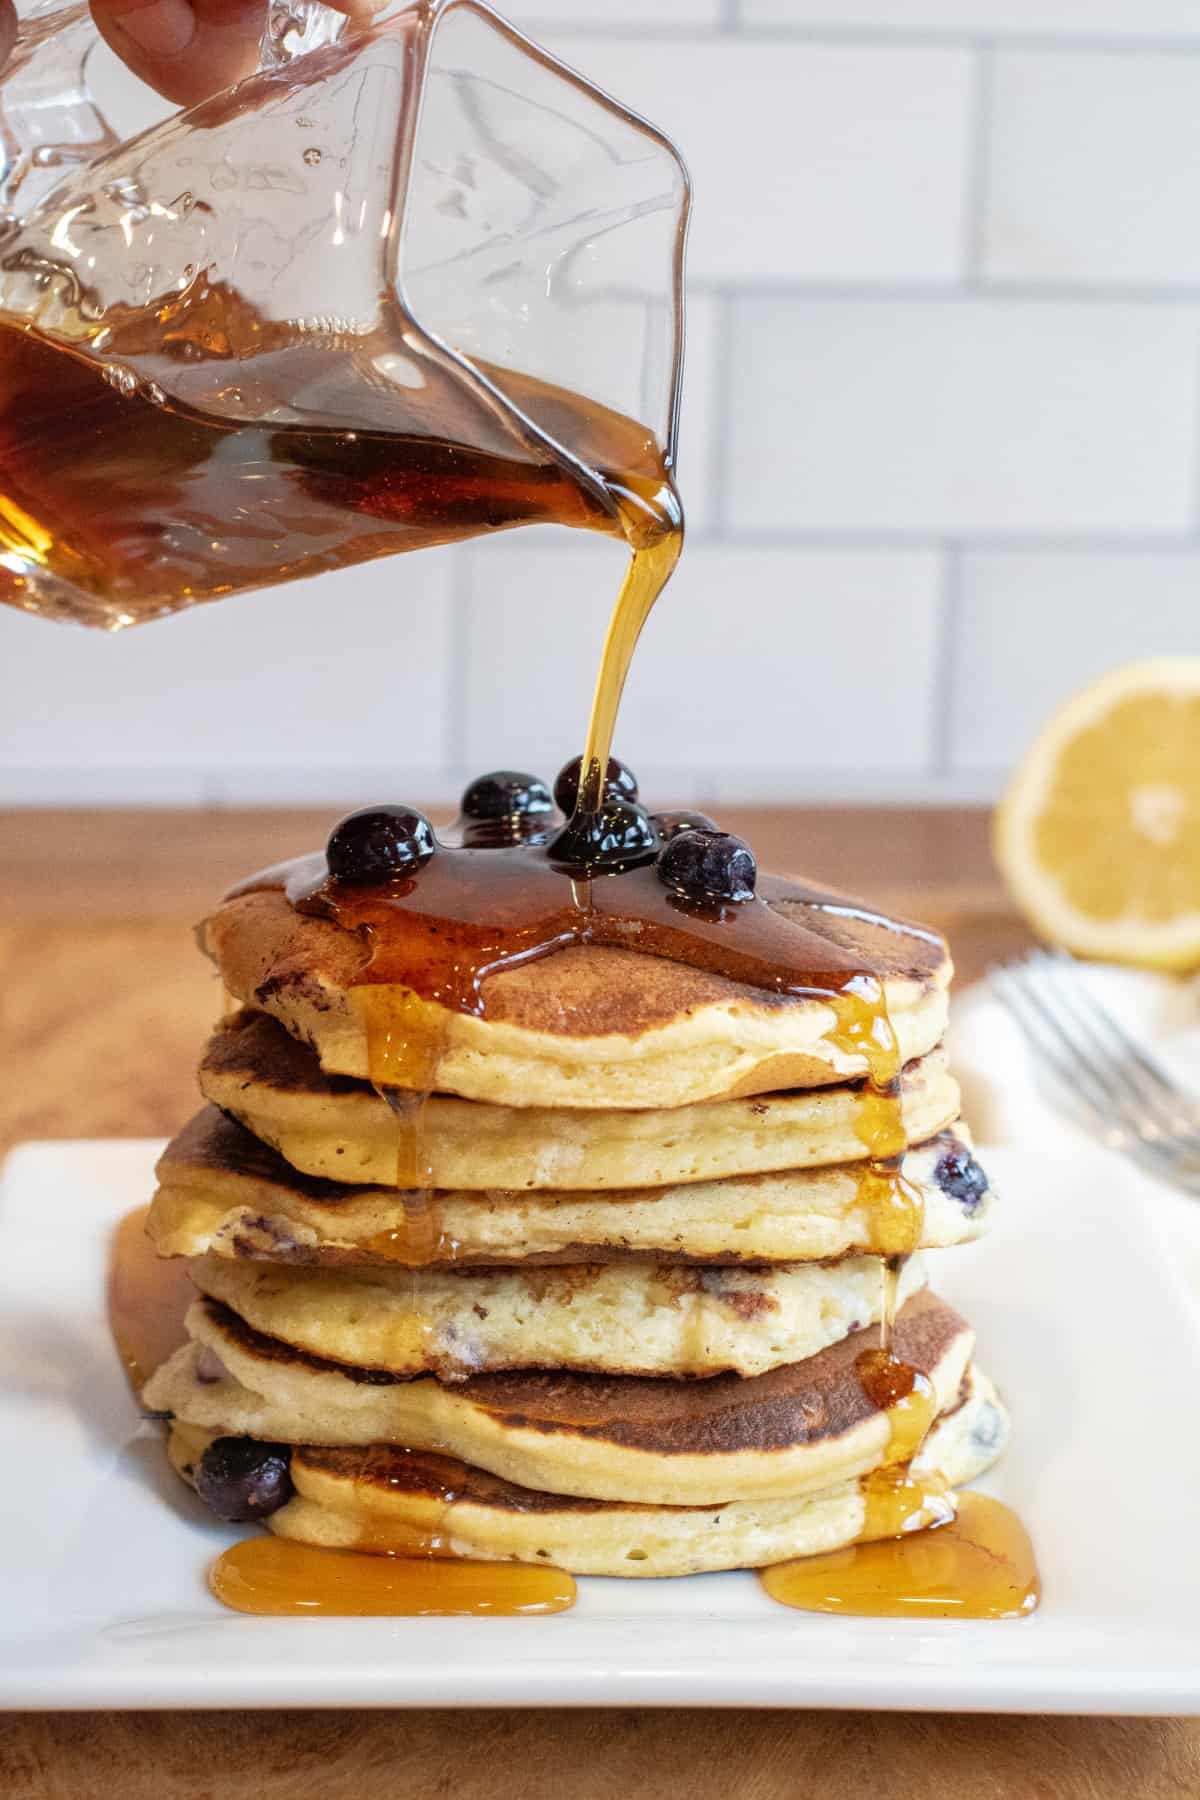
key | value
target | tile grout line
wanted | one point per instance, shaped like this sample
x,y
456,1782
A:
x,y
925,537
1194,451
825,290
977,185
731,21
717,474
885,37
949,633
871,539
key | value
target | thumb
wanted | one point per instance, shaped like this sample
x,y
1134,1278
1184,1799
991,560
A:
x,y
8,30
187,49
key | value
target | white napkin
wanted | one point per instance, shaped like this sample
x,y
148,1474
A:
x,y
1005,1097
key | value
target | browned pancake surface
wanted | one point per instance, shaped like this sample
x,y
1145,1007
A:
x,y
265,948
254,1048
391,1469
800,1403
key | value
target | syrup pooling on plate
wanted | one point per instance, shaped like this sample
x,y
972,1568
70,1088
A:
x,y
398,1569
272,1576
979,1565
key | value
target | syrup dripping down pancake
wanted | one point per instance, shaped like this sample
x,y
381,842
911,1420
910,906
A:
x,y
338,1128
223,1191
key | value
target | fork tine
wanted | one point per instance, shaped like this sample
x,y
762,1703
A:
x,y
1048,1041
1112,1107
1153,1078
1102,1117
1106,1042
1098,1090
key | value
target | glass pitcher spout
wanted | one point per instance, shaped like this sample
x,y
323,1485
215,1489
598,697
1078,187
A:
x,y
406,284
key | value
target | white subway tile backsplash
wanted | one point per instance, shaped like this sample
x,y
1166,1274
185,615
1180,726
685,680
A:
x,y
1084,18
977,415
1034,626
809,161
542,17
944,347
310,687
752,662
1094,168
535,620
698,424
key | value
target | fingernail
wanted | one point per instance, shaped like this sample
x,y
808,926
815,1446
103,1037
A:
x,y
161,28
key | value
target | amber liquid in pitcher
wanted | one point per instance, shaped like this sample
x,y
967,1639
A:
x,y
144,507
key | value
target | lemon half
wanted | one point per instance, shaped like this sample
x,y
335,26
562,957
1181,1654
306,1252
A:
x,y
1098,834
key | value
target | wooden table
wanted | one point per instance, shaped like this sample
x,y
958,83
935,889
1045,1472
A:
x,y
105,1005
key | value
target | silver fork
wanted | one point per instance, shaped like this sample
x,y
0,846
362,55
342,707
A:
x,y
1110,1080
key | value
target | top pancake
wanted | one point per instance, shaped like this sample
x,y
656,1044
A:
x,y
589,1025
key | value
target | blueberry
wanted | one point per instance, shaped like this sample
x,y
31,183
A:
x,y
709,865
242,1479
379,843
505,808
988,1431
503,793
670,824
959,1175
620,836
620,783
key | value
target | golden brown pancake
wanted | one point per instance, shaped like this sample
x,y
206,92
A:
x,y
626,1319
221,1190
338,1128
793,1430
590,1025
383,1498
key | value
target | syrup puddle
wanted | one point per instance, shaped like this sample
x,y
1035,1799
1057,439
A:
x,y
980,1565
274,1577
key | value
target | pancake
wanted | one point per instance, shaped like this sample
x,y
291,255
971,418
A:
x,y
340,1129
632,1319
221,1190
592,1025
380,1498
791,1431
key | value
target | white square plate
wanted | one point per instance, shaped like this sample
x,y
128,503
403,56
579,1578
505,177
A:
x,y
1080,1319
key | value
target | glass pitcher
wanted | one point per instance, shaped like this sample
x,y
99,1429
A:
x,y
405,284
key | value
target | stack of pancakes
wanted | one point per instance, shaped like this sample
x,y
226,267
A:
x,y
646,1272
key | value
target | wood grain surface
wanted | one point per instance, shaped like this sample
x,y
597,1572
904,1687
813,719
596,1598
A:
x,y
105,1004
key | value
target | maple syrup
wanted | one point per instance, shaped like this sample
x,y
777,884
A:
x,y
148,1296
978,1565
144,507
274,1576
403,1570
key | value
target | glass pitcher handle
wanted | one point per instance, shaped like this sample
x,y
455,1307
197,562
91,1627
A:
x,y
51,122
50,125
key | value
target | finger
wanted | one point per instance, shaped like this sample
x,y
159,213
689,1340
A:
x,y
8,29
187,49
